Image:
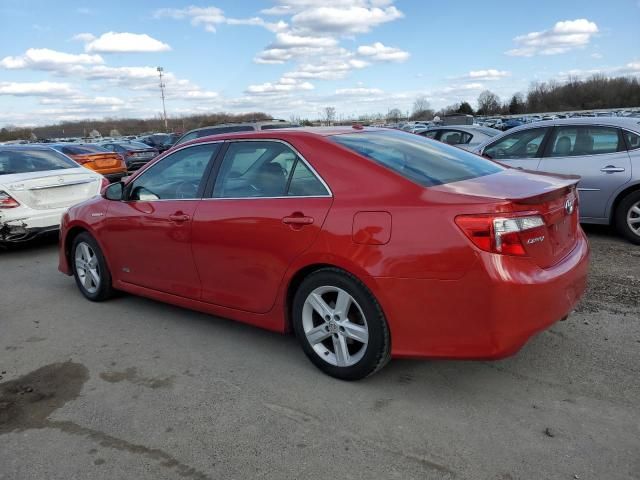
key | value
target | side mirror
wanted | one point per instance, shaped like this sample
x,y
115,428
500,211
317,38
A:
x,y
114,191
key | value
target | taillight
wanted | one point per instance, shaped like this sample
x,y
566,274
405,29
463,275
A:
x,y
498,234
7,201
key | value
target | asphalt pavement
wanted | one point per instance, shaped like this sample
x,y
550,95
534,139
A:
x,y
133,388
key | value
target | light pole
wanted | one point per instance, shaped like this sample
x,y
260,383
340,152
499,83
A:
x,y
164,109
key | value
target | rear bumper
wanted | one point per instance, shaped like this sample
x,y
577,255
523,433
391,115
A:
x,y
31,224
488,314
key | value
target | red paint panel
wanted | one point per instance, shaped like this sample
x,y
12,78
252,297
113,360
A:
x,y
371,228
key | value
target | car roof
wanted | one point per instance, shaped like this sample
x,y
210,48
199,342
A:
x,y
623,122
29,146
284,133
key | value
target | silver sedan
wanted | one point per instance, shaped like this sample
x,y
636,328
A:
x,y
604,152
463,136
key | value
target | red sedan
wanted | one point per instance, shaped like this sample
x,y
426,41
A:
x,y
367,243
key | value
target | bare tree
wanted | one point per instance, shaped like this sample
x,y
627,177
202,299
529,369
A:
x,y
394,115
329,115
488,103
421,104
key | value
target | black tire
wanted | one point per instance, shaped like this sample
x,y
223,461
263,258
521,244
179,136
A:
x,y
377,351
630,201
104,289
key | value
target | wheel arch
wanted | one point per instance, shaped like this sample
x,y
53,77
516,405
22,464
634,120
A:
x,y
304,271
619,197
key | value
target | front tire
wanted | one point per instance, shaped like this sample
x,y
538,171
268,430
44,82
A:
x,y
628,217
340,325
90,268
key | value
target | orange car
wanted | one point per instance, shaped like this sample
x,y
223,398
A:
x,y
95,158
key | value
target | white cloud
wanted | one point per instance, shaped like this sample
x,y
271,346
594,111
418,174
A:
x,y
124,42
289,40
563,37
489,74
46,59
359,91
284,85
381,53
24,89
84,37
210,17
344,20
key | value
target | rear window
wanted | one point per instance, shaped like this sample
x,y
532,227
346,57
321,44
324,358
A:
x,y
25,161
416,158
82,149
134,145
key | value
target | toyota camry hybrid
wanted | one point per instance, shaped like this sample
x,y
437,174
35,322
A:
x,y
367,243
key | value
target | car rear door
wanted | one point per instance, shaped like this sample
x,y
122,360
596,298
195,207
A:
x,y
266,207
148,235
597,154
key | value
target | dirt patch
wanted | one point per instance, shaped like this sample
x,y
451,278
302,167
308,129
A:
x,y
28,401
131,375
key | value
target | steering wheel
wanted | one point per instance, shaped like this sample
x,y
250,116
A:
x,y
187,189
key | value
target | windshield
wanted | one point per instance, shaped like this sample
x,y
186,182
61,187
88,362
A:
x,y
417,158
26,161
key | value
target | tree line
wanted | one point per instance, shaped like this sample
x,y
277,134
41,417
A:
x,y
126,126
594,93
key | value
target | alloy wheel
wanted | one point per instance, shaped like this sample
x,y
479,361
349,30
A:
x,y
87,267
633,218
335,326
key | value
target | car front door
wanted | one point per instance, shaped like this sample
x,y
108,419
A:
x,y
148,234
597,154
266,207
521,149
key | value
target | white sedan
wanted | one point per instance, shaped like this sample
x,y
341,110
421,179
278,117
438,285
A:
x,y
37,185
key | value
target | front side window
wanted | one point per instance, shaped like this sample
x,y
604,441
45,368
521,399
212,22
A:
x,y
264,169
455,137
26,161
522,144
177,176
633,140
571,141
416,158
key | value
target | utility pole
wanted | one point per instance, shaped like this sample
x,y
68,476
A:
x,y
164,109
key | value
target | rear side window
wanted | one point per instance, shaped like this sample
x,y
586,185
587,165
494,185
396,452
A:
x,y
455,137
633,140
416,158
264,169
26,161
522,144
571,141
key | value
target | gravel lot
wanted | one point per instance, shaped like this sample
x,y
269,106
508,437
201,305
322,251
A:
x,y
133,388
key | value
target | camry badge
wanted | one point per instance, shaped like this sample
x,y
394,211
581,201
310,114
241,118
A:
x,y
568,206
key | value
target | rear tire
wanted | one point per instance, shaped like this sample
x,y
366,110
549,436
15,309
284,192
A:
x,y
627,217
90,268
350,339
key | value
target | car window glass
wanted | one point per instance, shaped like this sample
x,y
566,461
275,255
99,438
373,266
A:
x,y
429,133
188,137
455,137
416,158
570,141
254,169
633,140
177,176
304,183
26,161
522,144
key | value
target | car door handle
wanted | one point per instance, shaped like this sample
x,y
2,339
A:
x,y
179,217
298,220
611,169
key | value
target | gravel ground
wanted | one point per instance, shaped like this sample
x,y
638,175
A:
x,y
133,388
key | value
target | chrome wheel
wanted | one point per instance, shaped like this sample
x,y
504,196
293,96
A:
x,y
335,326
87,268
633,218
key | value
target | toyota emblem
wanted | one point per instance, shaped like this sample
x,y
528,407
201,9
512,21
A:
x,y
568,206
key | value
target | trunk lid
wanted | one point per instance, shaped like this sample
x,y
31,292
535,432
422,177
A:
x,y
100,161
514,192
52,189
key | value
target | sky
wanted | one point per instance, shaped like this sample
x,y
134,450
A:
x,y
71,60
